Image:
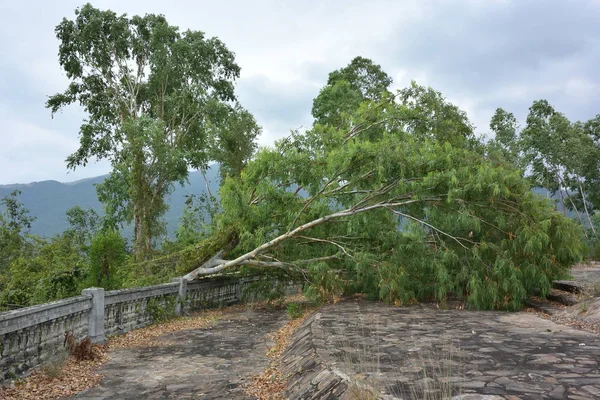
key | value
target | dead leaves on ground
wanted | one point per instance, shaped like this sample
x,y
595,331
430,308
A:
x,y
76,376
270,384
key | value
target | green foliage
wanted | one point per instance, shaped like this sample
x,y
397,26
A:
x,y
271,291
194,223
235,142
593,237
107,256
294,310
15,223
159,102
398,200
47,270
388,195
347,88
556,154
84,224
162,309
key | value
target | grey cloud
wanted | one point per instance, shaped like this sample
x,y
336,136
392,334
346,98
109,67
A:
x,y
481,54
277,106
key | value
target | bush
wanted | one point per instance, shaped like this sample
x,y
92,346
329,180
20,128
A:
x,y
161,311
294,310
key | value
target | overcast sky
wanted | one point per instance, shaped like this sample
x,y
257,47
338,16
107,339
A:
x,y
480,54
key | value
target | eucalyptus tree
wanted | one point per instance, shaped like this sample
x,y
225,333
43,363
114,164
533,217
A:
x,y
155,98
505,127
556,154
347,87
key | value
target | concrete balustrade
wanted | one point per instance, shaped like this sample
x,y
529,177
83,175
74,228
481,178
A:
x,y
33,335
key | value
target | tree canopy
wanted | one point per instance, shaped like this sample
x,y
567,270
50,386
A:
x,y
159,102
347,87
556,154
388,194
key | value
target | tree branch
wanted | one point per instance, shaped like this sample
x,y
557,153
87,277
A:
x,y
336,244
434,228
340,214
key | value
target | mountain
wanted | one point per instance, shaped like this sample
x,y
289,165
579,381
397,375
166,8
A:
x,y
49,201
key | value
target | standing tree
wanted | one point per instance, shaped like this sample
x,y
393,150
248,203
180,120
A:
x,y
556,154
347,88
235,142
15,223
505,127
155,98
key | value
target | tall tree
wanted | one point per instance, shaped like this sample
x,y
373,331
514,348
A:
x,y
505,127
556,154
347,88
15,223
235,142
153,95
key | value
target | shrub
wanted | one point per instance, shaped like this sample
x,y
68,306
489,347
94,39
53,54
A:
x,y
294,310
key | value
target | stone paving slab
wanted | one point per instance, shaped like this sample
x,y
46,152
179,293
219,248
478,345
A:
x,y
587,275
420,351
210,363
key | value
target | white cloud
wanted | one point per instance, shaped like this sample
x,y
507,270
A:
x,y
33,153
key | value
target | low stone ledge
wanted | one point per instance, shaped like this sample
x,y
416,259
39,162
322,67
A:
x,y
126,295
563,298
15,320
309,376
568,286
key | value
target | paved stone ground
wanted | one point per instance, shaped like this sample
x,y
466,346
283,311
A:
x,y
409,352
210,363
587,275
412,352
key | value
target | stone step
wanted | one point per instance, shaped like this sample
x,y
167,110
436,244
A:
x,y
563,298
545,308
567,286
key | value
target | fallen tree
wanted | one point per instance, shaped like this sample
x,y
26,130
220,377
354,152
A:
x,y
389,195
402,203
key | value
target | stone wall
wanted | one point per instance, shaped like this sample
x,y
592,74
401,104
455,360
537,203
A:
x,y
129,309
32,335
200,294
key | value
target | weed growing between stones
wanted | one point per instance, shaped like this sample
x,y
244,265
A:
x,y
360,364
438,375
429,371
54,365
294,310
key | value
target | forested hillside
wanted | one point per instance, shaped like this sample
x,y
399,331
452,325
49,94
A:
x,y
48,201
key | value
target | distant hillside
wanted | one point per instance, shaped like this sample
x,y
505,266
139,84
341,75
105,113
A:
x,y
544,193
48,201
